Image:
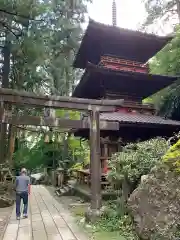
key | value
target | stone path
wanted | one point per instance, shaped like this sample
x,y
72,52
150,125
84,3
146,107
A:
x,y
48,220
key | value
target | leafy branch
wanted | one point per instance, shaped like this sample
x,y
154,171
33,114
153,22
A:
x,y
19,15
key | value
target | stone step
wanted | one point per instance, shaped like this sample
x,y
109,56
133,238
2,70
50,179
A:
x,y
66,188
63,191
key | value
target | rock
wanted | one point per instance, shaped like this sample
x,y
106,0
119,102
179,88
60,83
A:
x,y
88,226
5,202
143,178
79,204
82,220
155,205
93,215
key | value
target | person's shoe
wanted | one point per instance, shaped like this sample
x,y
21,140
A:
x,y
18,218
25,216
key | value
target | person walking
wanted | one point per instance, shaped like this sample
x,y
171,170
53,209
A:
x,y
22,192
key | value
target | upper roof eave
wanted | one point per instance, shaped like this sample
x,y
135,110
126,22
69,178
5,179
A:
x,y
102,31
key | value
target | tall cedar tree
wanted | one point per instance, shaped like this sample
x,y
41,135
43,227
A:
x,y
38,41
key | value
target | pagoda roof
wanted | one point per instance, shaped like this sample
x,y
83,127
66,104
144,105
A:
x,y
134,84
101,39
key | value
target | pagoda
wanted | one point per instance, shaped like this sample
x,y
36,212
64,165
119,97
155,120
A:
x,y
115,64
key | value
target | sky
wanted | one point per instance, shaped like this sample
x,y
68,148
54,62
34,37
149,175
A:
x,y
129,12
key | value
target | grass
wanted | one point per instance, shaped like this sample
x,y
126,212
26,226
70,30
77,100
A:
x,y
79,211
107,236
96,234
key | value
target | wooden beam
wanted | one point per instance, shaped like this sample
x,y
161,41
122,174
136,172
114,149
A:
x,y
55,122
26,98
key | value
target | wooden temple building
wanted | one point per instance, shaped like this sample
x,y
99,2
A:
x,y
115,64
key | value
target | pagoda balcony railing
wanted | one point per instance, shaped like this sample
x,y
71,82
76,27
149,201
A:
x,y
116,63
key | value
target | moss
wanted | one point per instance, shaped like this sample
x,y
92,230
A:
x,y
172,157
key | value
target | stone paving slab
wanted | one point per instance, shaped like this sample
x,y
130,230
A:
x,y
48,220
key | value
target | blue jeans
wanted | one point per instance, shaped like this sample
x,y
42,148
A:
x,y
24,197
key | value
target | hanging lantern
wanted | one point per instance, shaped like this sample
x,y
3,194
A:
x,y
48,112
46,139
59,138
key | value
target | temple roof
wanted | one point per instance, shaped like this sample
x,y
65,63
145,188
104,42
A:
x,y
134,84
101,39
135,126
138,119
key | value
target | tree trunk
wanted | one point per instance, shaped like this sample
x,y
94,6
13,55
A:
x,y
178,9
65,157
126,189
5,84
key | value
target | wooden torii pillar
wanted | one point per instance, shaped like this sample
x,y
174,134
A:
x,y
94,211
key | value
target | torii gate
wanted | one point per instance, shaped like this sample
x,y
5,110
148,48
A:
x,y
93,107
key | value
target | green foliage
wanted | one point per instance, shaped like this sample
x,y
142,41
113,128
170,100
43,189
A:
x,y
160,12
107,235
172,157
44,37
41,154
116,221
29,157
136,160
114,224
166,62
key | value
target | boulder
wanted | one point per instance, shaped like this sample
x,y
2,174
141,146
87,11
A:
x,y
155,205
5,202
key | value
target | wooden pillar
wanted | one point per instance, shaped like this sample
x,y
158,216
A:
x,y
2,133
119,145
106,146
106,156
11,145
95,167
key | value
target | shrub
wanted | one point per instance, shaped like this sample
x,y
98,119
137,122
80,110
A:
x,y
172,157
135,160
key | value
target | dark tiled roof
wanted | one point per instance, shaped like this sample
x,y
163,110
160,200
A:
x,y
101,39
138,118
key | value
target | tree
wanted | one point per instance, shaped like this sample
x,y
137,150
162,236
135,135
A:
x,y
16,21
166,62
162,11
38,43
34,152
63,45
